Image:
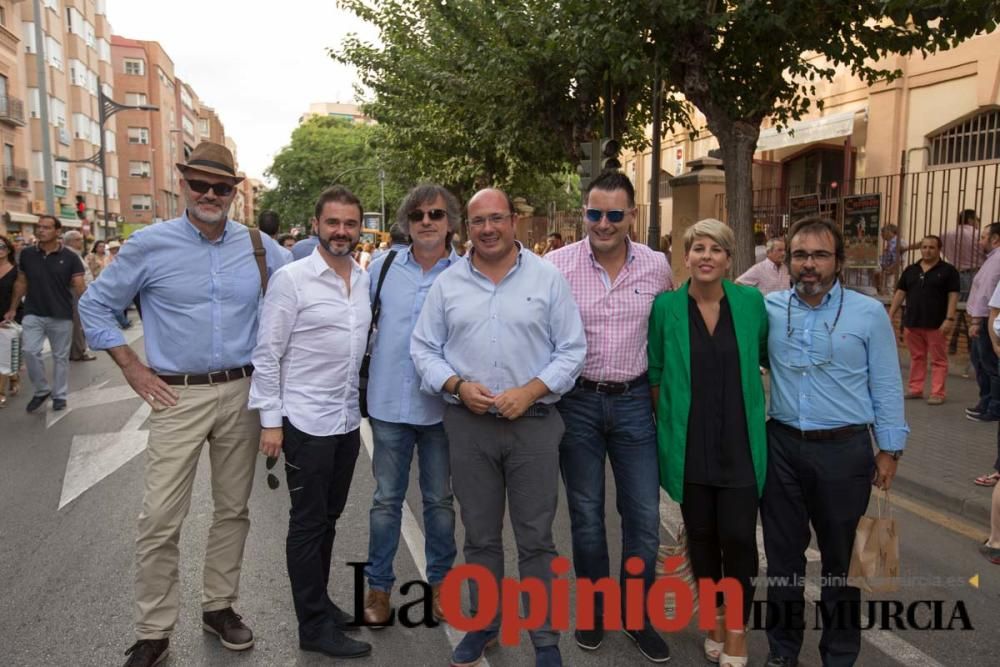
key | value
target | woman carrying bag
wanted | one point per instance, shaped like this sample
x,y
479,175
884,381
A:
x,y
706,343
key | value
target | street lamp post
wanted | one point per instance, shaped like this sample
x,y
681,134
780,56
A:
x,y
107,108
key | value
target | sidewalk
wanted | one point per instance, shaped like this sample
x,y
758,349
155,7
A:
x,y
945,451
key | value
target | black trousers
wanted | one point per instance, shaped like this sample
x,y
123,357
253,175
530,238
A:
x,y
825,483
721,526
318,470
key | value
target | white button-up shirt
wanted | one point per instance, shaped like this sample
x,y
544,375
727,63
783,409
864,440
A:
x,y
310,345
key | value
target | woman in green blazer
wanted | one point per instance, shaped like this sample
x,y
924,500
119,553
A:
x,y
706,343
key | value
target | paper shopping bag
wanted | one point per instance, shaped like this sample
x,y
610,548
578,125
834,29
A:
x,y
875,557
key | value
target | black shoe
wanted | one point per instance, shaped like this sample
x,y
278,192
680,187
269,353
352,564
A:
x,y
650,644
335,644
58,404
472,648
147,652
228,626
37,401
589,640
780,661
983,417
975,411
342,619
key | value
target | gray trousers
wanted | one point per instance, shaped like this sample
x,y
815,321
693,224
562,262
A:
x,y
78,348
60,333
496,462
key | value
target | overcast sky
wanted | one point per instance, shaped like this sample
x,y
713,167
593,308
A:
x,y
258,64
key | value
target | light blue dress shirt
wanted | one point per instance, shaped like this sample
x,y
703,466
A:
x,y
200,298
393,385
819,381
500,335
304,247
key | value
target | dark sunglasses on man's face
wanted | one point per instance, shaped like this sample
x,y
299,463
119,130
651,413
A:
x,y
220,189
614,215
434,214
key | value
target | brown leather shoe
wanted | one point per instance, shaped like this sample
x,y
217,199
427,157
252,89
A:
x,y
436,596
229,627
147,652
377,608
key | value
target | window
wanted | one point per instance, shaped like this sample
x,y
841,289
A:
x,y
51,4
109,140
74,21
92,82
84,179
81,126
95,132
188,125
142,202
138,135
89,34
104,50
60,173
53,52
8,155
186,98
28,35
112,187
57,112
77,72
135,99
140,169
3,16
135,66
976,139
203,127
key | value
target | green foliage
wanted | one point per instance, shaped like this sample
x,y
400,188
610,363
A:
x,y
323,149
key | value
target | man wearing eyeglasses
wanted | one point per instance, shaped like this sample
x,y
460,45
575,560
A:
x,y
200,286
313,331
500,336
402,417
609,413
835,382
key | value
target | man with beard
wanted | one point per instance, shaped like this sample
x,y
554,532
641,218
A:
x,y
313,333
835,382
201,287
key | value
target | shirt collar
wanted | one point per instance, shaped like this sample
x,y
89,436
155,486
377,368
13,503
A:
x,y
406,253
629,253
319,265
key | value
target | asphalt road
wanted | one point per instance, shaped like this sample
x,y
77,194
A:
x,y
67,572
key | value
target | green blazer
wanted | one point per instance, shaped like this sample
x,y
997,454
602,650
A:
x,y
670,369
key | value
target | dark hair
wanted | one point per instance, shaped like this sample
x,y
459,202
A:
x,y
55,221
268,222
555,235
397,236
759,238
610,181
341,195
425,193
967,217
936,238
817,225
994,228
284,237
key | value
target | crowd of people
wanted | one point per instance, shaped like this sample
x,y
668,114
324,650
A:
x,y
502,369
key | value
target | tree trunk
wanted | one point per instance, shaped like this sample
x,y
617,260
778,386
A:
x,y
738,140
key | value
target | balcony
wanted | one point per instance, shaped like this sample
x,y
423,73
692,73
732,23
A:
x,y
16,179
11,111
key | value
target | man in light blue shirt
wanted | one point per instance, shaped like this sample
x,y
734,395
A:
x,y
269,223
201,286
501,336
304,247
403,417
835,382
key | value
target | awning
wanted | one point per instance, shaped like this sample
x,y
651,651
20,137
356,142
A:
x,y
73,223
27,218
808,131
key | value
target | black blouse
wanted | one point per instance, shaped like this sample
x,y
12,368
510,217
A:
x,y
718,445
7,290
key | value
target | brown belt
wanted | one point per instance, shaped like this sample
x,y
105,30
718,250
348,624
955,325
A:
x,y
216,377
823,434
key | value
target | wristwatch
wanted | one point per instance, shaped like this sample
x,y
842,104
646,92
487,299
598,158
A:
x,y
455,393
896,454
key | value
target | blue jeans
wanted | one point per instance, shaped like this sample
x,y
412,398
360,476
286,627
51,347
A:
x,y
393,452
620,428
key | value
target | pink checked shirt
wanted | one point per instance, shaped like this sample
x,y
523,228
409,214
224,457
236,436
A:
x,y
615,317
766,276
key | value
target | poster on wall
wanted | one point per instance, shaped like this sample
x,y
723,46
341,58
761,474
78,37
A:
x,y
803,206
861,229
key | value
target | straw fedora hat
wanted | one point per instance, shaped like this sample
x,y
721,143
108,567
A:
x,y
211,158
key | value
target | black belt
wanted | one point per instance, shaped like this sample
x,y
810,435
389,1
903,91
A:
x,y
534,410
216,377
840,433
608,387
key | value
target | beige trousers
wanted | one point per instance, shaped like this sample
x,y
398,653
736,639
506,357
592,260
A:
x,y
217,414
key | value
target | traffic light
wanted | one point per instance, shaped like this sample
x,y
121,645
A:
x,y
588,166
609,155
81,207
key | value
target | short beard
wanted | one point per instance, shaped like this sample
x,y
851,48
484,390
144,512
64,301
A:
x,y
814,289
336,253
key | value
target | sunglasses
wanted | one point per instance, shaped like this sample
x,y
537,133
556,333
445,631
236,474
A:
x,y
220,189
434,214
614,215
272,479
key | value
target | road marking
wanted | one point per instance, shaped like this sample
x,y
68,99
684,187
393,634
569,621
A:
x,y
414,538
951,523
88,397
886,642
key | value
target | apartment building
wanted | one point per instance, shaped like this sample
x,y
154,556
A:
x,y
17,190
343,110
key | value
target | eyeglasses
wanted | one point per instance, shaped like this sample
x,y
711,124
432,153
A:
x,y
494,219
434,214
801,256
614,215
272,479
201,187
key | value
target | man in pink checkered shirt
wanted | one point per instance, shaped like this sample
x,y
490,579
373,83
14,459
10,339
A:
x,y
770,274
609,414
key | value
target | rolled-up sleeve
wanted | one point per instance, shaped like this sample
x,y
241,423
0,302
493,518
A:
x,y
276,321
111,293
427,343
885,383
568,338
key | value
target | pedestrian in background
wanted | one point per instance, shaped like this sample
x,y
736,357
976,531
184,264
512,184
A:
x,y
770,274
961,248
269,223
78,348
8,275
982,355
97,258
707,343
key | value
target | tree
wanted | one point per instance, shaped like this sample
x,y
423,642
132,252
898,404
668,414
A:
x,y
321,150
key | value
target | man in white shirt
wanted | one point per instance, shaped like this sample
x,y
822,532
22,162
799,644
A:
x,y
311,340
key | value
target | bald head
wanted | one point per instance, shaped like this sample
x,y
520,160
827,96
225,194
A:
x,y
492,222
